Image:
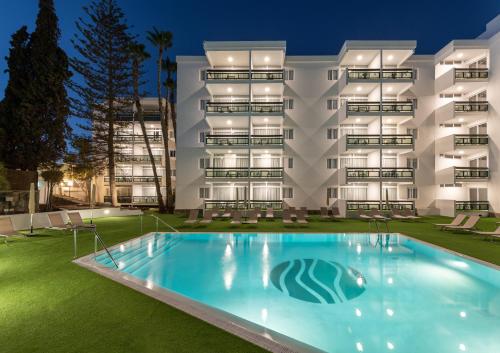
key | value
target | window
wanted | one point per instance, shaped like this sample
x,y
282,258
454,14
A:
x,y
332,134
204,163
288,134
332,193
204,193
412,163
202,136
333,75
287,192
172,153
203,104
332,104
288,103
413,132
173,172
411,192
290,162
289,75
331,163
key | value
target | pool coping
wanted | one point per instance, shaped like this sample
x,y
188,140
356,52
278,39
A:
x,y
257,334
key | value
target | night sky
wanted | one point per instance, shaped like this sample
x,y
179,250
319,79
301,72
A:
x,y
309,27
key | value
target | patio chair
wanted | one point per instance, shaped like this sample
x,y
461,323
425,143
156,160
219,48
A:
x,y
236,217
301,217
470,224
323,211
287,218
293,213
207,217
495,233
76,221
216,212
396,214
376,214
253,217
7,229
362,214
227,213
258,211
193,217
57,223
456,221
409,214
304,209
336,213
270,213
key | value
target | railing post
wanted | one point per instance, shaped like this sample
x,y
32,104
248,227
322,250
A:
x,y
75,230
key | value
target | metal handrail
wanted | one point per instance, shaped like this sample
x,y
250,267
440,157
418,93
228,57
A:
x,y
97,238
165,223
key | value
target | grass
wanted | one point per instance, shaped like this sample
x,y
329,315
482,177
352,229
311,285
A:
x,y
49,304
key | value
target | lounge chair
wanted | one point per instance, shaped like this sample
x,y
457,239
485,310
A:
x,y
301,217
336,213
293,213
193,217
258,211
253,217
77,221
7,229
362,214
227,213
56,222
207,217
236,217
304,208
323,211
269,213
216,212
287,218
456,221
470,224
376,214
495,233
396,214
409,214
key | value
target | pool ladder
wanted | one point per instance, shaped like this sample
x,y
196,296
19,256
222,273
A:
x,y
98,239
158,219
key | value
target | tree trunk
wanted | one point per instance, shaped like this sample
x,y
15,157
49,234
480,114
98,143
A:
x,y
174,114
111,158
168,167
161,206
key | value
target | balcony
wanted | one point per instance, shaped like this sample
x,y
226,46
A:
x,y
370,75
242,173
242,205
380,174
136,200
461,112
471,140
472,206
374,108
375,141
139,159
244,75
266,140
132,179
470,107
354,205
226,140
471,74
463,174
137,138
244,108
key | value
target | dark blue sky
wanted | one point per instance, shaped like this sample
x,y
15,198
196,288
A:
x,y
309,27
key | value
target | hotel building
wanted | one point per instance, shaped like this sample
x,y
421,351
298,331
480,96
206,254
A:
x,y
374,126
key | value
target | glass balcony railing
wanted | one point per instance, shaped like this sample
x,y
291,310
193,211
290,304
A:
x,y
393,141
377,173
137,138
375,107
237,173
133,179
353,205
239,75
242,205
377,74
472,206
471,107
471,173
136,159
267,140
471,140
226,140
471,74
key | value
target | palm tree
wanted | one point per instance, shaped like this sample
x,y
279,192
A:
x,y
138,55
163,40
170,85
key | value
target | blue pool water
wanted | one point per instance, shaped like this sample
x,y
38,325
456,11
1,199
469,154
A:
x,y
335,292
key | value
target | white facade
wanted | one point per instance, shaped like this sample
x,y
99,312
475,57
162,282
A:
x,y
371,126
134,174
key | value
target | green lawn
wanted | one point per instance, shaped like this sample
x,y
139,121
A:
x,y
49,304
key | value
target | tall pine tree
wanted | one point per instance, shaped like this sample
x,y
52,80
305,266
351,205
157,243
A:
x,y
102,43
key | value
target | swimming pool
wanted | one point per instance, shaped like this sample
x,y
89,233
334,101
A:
x,y
329,292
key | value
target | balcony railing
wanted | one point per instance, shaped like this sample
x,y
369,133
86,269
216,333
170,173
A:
x,y
393,141
471,140
471,107
134,179
239,75
120,199
472,206
227,107
374,107
137,138
473,173
137,158
242,205
353,205
376,173
375,74
267,107
471,74
267,140
142,200
226,140
237,173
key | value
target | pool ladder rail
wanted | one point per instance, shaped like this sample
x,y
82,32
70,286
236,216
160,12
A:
x,y
98,239
158,219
